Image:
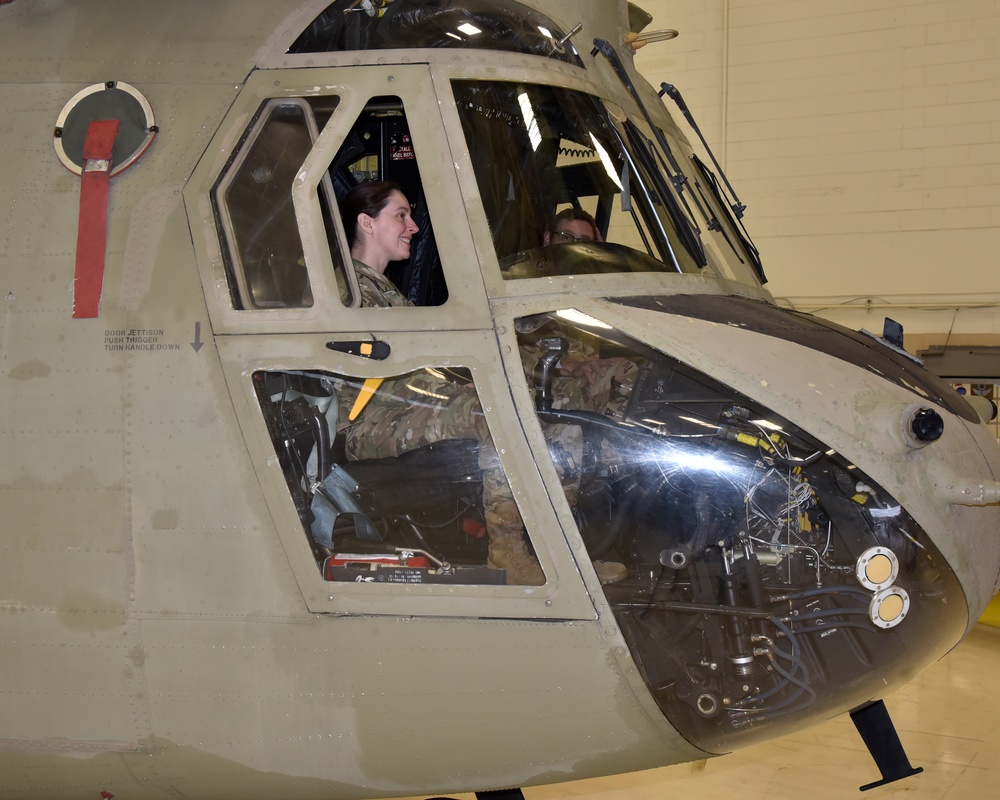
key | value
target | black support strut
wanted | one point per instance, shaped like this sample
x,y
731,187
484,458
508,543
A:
x,y
875,726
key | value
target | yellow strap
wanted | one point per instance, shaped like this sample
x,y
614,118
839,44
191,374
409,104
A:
x,y
370,385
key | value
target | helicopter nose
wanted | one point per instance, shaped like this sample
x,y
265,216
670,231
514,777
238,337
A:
x,y
795,534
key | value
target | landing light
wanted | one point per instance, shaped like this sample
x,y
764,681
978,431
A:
x,y
877,568
888,607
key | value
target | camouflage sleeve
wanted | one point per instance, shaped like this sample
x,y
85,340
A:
x,y
602,385
415,410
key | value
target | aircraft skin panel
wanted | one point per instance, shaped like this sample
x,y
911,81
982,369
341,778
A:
x,y
349,702
28,104
238,716
75,662
168,626
155,44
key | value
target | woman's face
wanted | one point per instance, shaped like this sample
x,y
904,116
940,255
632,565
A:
x,y
393,228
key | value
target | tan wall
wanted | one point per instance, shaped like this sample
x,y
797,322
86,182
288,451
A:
x,y
864,136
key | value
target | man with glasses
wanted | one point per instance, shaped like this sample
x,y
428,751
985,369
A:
x,y
572,225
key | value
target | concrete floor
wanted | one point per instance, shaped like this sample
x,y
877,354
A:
x,y
948,719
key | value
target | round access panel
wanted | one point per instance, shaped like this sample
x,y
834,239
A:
x,y
112,100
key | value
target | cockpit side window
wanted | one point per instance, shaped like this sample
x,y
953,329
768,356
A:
x,y
252,201
255,215
379,147
503,25
397,480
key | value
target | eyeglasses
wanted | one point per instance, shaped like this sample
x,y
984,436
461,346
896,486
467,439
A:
x,y
565,237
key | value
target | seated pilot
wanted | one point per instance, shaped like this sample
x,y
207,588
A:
x,y
572,225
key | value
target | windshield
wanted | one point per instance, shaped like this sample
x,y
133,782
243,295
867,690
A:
x,y
542,150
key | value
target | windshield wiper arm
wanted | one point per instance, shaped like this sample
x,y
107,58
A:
x,y
675,95
685,228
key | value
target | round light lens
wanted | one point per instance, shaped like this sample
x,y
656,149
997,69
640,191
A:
x,y
877,568
888,607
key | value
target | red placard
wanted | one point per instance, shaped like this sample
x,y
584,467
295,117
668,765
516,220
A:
x,y
93,225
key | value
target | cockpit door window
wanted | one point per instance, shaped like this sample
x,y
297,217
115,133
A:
x,y
266,209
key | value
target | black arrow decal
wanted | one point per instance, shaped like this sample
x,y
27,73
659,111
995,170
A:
x,y
197,343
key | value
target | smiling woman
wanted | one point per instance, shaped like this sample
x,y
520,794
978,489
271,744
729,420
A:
x,y
378,224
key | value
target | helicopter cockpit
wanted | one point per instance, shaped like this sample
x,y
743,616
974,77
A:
x,y
536,147
765,578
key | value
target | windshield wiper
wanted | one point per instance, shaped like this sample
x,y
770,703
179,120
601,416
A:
x,y
631,171
668,88
737,225
731,199
686,229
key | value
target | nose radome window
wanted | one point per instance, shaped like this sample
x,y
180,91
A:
x,y
764,580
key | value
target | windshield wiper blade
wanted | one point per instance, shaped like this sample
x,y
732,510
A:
x,y
630,168
737,224
724,198
680,180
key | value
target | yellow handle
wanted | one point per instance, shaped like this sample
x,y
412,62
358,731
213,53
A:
x,y
367,390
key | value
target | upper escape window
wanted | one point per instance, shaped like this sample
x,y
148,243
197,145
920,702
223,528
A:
x,y
502,25
262,245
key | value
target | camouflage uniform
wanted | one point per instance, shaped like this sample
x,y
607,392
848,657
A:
x,y
413,410
410,411
377,291
600,385
603,389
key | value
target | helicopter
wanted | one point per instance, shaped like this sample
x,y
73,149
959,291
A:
x,y
212,589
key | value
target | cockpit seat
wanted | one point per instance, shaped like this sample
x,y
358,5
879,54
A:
x,y
420,489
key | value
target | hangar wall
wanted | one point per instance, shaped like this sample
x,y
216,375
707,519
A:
x,y
864,137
